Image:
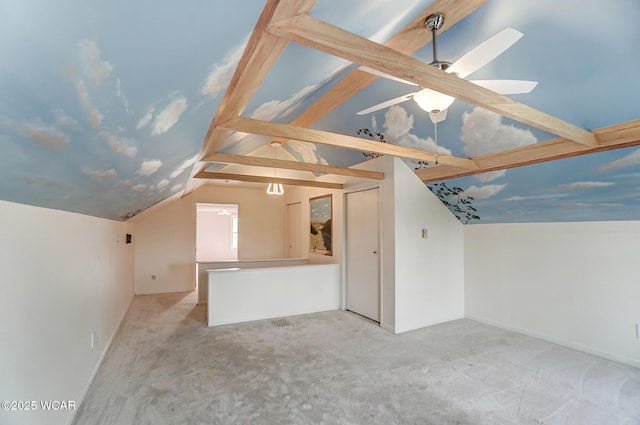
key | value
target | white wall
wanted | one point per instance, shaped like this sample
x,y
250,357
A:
x,y
429,280
166,237
577,284
422,279
64,275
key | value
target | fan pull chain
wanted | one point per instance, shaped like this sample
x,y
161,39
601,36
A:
x,y
435,134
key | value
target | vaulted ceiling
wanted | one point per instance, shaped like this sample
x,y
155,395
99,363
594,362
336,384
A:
x,y
109,108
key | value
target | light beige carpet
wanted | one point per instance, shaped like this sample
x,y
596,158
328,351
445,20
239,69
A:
x,y
166,366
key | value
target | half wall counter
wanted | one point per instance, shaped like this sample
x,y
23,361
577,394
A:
x,y
202,274
242,294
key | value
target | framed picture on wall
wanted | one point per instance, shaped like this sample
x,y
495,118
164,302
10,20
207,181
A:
x,y
320,219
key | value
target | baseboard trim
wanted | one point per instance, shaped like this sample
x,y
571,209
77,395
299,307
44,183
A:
x,y
560,341
172,291
389,328
98,364
416,326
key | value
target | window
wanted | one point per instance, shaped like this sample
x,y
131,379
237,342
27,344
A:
x,y
234,232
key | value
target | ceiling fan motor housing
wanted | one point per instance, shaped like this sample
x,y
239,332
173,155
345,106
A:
x,y
434,22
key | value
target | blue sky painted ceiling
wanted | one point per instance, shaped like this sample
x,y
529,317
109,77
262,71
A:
x,y
104,106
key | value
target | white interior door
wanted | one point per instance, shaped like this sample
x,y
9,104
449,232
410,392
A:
x,y
294,231
363,253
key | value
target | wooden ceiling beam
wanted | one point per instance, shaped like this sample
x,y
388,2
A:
x,y
408,40
266,128
292,165
322,36
262,179
613,137
259,57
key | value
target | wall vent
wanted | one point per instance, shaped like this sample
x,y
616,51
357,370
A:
x,y
278,323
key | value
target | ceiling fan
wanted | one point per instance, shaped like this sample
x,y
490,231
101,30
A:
x,y
436,103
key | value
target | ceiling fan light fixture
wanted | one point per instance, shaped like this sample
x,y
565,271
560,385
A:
x,y
432,101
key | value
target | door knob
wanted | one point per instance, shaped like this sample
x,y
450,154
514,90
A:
x,y
375,252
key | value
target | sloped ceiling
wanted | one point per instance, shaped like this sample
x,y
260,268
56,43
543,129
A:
x,y
107,108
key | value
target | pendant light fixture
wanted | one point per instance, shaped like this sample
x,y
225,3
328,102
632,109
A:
x,y
275,188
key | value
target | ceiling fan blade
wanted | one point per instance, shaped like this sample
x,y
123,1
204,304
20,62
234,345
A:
x,y
507,86
484,52
386,104
383,75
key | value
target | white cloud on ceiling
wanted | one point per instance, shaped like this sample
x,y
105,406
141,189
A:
x,y
535,197
630,160
121,95
306,151
397,122
139,188
222,72
149,167
186,164
176,187
274,108
162,184
41,134
42,182
47,138
398,125
124,183
64,120
95,68
628,176
581,205
120,146
484,133
581,185
96,71
101,176
483,192
490,176
144,121
170,115
93,114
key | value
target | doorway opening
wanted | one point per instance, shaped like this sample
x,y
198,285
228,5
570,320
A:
x,y
217,228
216,232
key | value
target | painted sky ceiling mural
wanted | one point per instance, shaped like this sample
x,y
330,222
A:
x,y
104,105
